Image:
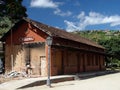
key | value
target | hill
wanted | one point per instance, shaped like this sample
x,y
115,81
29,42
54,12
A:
x,y
97,35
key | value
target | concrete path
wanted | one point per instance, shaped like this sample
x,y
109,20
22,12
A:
x,y
31,82
12,85
106,82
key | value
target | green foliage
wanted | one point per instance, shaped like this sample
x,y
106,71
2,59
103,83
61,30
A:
x,y
15,10
112,47
108,39
11,11
5,29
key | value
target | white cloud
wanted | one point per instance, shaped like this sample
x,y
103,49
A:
x,y
44,4
81,15
71,26
92,18
61,13
50,4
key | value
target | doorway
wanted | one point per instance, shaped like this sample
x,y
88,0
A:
x,y
43,66
59,62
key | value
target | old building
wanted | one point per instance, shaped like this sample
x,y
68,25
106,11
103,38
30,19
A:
x,y
70,53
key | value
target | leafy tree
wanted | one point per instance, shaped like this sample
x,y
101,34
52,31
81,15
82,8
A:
x,y
15,10
112,48
11,11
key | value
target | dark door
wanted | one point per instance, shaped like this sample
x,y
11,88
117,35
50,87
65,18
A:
x,y
59,62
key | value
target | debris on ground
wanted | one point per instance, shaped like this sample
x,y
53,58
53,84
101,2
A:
x,y
14,74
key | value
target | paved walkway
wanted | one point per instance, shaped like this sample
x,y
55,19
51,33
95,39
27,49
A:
x,y
15,84
30,82
106,82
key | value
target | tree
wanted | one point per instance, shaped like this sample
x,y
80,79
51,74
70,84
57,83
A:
x,y
15,10
2,7
112,48
11,10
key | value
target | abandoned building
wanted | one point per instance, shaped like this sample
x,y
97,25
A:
x,y
70,53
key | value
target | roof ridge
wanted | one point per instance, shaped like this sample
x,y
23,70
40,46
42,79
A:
x,y
53,31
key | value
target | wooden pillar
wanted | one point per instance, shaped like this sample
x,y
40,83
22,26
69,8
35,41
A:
x,y
63,58
78,62
84,62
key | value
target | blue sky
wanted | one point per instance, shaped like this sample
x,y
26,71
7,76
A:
x,y
73,15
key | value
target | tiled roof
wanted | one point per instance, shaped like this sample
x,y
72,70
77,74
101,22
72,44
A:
x,y
55,32
62,33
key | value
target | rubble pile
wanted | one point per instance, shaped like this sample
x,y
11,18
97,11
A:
x,y
14,74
